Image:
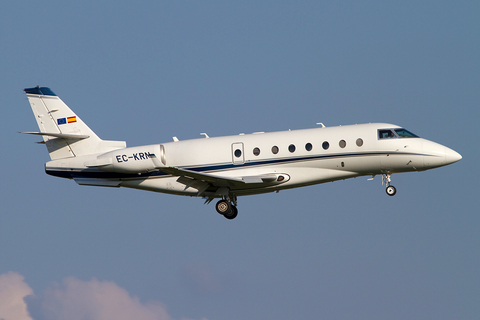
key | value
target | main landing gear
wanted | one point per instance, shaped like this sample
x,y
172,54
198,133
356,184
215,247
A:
x,y
391,190
227,209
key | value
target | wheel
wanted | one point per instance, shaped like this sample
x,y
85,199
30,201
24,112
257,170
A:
x,y
223,207
232,214
391,190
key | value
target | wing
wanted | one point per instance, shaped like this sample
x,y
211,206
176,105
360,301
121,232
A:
x,y
202,181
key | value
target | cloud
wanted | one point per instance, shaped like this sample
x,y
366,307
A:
x,y
95,300
12,291
74,299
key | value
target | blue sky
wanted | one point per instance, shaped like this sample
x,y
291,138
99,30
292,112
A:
x,y
146,71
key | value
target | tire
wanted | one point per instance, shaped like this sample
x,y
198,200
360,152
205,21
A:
x,y
233,213
223,207
391,190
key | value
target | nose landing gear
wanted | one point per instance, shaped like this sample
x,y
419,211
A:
x,y
391,190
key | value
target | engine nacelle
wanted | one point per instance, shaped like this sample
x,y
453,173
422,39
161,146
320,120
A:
x,y
131,160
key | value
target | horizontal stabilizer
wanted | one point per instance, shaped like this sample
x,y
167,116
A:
x,y
59,135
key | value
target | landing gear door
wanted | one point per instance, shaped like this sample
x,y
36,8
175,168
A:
x,y
237,153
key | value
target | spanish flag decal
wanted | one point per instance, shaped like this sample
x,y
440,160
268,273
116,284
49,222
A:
x,y
67,120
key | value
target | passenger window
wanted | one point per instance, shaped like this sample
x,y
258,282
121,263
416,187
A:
x,y
325,145
386,134
308,147
238,153
291,148
256,151
274,149
359,142
342,143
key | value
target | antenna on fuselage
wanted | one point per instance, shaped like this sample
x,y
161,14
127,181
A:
x,y
319,123
204,134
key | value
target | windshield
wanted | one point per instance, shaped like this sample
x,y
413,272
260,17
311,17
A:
x,y
395,133
402,133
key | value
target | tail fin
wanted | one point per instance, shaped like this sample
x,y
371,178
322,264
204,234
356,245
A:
x,y
64,133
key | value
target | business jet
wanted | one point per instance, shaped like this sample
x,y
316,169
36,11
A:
x,y
227,167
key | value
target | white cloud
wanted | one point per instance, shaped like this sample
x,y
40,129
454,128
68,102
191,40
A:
x,y
74,299
12,291
96,300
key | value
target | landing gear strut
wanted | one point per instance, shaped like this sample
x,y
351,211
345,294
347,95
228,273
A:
x,y
391,190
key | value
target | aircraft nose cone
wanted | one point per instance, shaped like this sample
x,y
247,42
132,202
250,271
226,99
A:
x,y
451,156
437,155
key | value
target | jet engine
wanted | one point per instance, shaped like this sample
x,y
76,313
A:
x,y
131,160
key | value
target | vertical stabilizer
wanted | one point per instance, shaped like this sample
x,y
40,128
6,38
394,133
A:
x,y
64,133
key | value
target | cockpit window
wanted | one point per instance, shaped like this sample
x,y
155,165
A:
x,y
386,134
402,133
395,133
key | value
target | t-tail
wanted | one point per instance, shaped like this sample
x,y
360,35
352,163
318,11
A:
x,y
64,133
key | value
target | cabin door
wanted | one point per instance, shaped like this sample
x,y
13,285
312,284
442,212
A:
x,y
237,153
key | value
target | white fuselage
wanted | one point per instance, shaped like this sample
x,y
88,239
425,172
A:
x,y
300,157
231,166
